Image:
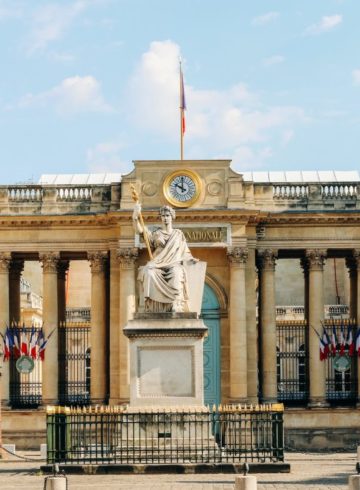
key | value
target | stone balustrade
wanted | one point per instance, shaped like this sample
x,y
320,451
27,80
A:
x,y
297,312
314,195
60,199
81,199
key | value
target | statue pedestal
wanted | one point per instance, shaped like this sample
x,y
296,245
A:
x,y
166,360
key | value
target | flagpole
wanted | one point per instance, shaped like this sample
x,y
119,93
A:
x,y
181,112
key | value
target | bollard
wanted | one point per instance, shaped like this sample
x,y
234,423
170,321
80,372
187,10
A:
x,y
55,483
354,482
245,483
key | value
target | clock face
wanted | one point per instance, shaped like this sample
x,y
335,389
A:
x,y
182,188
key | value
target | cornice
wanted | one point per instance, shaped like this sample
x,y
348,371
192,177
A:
x,y
318,218
114,218
242,216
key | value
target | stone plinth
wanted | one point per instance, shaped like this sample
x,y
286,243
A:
x,y
166,359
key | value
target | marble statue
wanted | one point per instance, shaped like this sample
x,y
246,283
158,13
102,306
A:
x,y
163,279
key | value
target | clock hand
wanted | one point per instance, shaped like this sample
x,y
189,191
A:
x,y
181,186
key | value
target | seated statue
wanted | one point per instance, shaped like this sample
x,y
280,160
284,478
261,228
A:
x,y
163,279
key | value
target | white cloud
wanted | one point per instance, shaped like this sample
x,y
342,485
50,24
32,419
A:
x,y
265,18
287,136
326,24
10,10
51,21
105,157
71,96
247,158
217,121
356,76
273,60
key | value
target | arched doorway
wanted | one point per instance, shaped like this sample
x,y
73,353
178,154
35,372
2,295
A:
x,y
210,312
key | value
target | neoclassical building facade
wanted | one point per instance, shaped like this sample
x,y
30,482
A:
x,y
283,261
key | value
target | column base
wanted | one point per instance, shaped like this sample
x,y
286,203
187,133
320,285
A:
x,y
240,400
98,401
48,401
318,403
269,400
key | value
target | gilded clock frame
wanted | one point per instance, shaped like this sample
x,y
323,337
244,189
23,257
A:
x,y
198,186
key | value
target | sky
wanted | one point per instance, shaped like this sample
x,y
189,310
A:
x,y
91,85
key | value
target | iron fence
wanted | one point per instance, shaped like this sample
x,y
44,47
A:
x,y
74,363
292,362
24,388
341,370
101,435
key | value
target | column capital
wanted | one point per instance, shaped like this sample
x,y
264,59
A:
x,y
267,258
237,256
315,258
127,257
50,261
356,257
16,266
97,261
5,259
63,266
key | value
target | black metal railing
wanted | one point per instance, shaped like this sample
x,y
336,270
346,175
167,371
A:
x,y
24,388
101,435
341,370
292,362
74,363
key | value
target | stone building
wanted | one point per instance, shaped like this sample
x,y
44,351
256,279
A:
x,y
283,259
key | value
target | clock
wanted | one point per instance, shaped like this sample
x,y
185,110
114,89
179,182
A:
x,y
182,188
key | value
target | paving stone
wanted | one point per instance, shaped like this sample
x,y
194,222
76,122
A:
x,y
318,471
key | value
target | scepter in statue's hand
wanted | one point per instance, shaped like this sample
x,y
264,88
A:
x,y
138,216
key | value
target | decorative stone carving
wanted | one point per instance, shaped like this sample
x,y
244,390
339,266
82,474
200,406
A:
x,y
315,258
5,258
50,262
237,256
164,279
267,259
127,257
356,256
16,267
63,267
97,261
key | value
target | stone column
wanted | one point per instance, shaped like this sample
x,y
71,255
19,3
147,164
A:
x,y
251,328
98,359
16,268
63,267
355,303
127,258
5,259
238,344
315,264
352,265
267,259
50,366
114,369
304,265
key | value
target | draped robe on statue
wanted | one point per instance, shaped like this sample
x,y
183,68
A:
x,y
163,278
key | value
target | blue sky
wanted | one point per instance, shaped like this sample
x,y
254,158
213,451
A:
x,y
90,85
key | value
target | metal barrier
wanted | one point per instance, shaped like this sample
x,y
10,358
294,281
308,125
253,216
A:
x,y
74,363
292,362
104,435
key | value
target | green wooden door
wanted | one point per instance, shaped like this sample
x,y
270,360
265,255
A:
x,y
210,312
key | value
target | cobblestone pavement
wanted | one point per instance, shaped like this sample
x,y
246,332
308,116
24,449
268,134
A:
x,y
325,471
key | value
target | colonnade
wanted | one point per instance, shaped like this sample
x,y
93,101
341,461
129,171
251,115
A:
x,y
113,292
